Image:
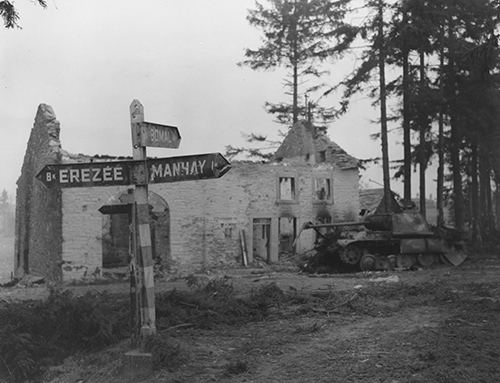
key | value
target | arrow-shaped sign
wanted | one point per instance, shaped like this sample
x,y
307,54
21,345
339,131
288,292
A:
x,y
158,170
156,135
120,208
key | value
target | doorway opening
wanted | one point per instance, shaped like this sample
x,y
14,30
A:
x,y
287,231
116,233
262,239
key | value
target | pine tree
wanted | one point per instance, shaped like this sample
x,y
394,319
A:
x,y
9,13
298,35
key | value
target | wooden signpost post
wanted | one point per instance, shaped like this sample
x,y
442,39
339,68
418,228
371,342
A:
x,y
140,172
142,250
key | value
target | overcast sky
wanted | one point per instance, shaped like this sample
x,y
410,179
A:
x,y
90,59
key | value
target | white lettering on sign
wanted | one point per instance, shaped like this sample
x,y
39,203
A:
x,y
201,164
177,169
118,174
156,134
155,171
63,176
77,175
194,168
74,175
107,174
96,175
85,175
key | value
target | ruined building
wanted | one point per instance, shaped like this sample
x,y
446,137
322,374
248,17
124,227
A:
x,y
61,234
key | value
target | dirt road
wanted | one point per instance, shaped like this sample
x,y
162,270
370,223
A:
x,y
439,325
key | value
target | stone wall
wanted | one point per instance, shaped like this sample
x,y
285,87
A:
x,y
59,233
83,228
38,209
207,216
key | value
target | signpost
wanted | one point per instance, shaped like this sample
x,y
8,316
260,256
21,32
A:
x,y
140,172
159,170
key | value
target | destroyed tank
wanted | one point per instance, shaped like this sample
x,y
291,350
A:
x,y
383,241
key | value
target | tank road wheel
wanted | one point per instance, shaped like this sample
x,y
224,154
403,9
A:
x,y
426,259
367,262
351,255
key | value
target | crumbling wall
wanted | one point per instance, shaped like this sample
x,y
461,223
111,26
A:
x,y
298,143
207,216
38,244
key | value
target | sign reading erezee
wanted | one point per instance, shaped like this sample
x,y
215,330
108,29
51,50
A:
x,y
159,170
156,135
86,174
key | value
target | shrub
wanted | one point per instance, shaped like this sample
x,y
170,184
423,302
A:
x,y
268,295
215,303
39,333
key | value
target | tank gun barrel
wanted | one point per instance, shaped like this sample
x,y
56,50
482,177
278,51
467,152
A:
x,y
310,225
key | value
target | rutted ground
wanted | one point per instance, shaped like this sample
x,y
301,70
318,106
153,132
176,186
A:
x,y
441,325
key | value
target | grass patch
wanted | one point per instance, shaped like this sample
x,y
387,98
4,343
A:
x,y
167,352
214,303
38,333
236,368
35,334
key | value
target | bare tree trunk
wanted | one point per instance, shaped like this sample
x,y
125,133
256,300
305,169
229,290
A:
x,y
295,95
455,138
295,73
484,179
440,170
474,196
422,129
383,109
458,199
406,124
489,201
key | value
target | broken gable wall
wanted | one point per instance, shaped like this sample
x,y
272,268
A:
x,y
38,209
298,143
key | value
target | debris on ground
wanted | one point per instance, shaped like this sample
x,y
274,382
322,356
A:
x,y
389,279
29,280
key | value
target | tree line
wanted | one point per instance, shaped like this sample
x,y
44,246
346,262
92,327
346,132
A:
x,y
445,54
444,63
7,214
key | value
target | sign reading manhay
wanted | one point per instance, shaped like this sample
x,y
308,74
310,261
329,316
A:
x,y
159,170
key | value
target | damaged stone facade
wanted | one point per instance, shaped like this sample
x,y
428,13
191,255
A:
x,y
196,224
38,210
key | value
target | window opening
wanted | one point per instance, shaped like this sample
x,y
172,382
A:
x,y
322,156
287,188
322,189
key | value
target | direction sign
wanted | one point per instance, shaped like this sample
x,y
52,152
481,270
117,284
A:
x,y
156,135
86,174
186,168
158,170
120,208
